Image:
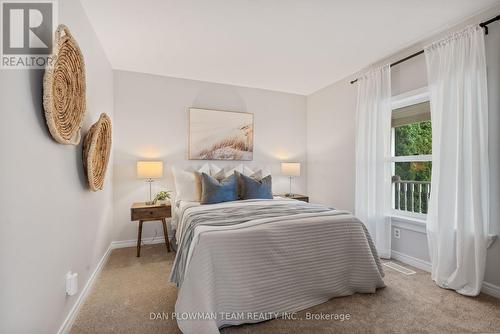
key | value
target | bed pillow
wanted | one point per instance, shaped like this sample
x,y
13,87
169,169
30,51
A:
x,y
188,183
227,172
214,169
218,191
255,189
206,168
256,173
257,176
185,185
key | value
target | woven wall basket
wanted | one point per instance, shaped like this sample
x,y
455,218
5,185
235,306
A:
x,y
64,89
96,150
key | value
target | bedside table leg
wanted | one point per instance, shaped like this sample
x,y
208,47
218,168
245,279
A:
x,y
165,233
139,236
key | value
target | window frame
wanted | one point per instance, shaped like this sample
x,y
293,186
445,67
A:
x,y
406,99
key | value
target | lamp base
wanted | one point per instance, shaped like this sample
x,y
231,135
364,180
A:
x,y
150,202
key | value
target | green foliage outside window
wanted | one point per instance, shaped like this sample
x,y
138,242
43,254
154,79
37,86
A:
x,y
413,139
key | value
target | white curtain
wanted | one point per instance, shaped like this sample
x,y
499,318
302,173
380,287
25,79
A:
x,y
458,217
373,138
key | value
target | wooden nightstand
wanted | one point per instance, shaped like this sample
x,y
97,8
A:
x,y
298,197
143,212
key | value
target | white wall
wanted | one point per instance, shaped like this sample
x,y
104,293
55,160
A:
x,y
330,145
331,135
151,122
49,221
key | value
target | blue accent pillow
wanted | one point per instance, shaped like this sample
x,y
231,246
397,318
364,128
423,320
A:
x,y
215,191
256,189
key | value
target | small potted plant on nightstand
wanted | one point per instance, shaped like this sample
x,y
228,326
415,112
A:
x,y
162,197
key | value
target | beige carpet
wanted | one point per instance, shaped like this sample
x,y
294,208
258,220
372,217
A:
x,y
130,288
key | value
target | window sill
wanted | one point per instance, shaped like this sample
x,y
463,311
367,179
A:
x,y
407,222
414,218
411,223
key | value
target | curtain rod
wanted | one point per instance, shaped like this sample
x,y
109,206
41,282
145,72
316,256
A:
x,y
482,25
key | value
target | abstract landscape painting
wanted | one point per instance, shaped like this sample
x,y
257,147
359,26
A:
x,y
220,135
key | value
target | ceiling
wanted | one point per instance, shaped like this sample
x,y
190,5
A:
x,y
284,45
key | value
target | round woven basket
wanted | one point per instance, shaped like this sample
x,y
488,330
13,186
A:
x,y
64,89
96,150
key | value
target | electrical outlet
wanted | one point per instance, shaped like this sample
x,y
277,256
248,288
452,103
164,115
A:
x,y
71,283
397,233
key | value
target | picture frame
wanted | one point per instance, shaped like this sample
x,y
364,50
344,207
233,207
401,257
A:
x,y
220,135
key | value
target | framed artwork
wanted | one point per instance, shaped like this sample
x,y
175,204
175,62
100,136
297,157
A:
x,y
220,135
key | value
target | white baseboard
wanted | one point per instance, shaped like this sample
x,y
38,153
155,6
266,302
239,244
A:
x,y
488,288
133,243
491,289
412,261
71,317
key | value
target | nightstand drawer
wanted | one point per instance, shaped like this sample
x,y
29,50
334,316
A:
x,y
150,213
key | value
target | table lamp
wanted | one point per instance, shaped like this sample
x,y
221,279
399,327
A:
x,y
290,169
149,170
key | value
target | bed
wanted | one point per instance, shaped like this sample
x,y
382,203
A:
x,y
252,260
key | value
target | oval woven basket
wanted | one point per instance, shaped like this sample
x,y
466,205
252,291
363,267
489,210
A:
x,y
96,150
64,89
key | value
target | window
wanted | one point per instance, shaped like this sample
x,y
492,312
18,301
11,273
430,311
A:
x,y
411,158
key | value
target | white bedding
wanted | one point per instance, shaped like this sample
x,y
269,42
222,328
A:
x,y
178,206
269,266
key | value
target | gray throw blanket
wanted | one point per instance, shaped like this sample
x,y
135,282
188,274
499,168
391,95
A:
x,y
215,216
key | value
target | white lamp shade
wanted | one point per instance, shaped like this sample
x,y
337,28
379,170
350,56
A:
x,y
290,168
149,169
